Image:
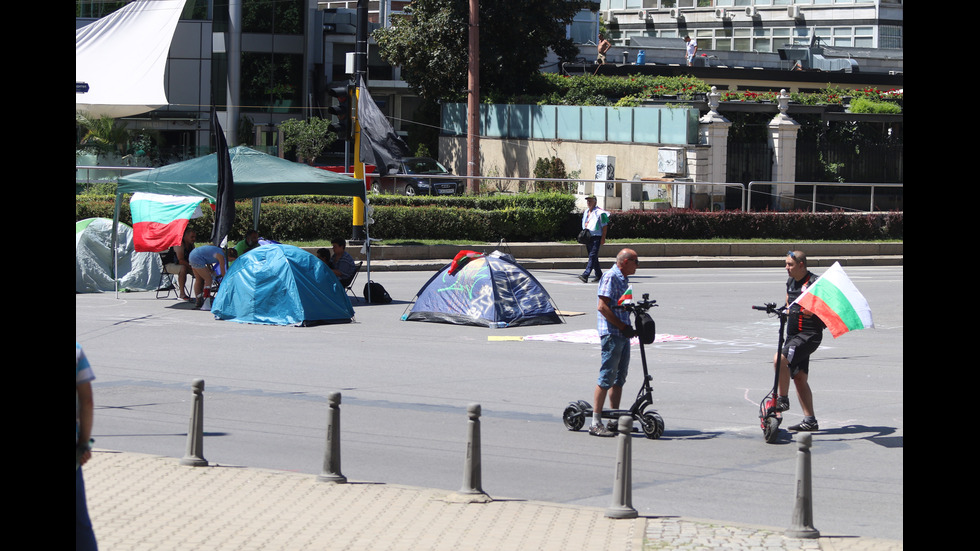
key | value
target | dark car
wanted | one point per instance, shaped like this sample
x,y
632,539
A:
x,y
420,183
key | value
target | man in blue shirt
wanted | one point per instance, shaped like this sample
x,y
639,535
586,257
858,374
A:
x,y
614,334
342,263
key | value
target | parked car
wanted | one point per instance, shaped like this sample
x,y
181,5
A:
x,y
419,184
368,171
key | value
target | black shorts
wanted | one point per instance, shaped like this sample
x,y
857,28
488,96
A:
x,y
797,350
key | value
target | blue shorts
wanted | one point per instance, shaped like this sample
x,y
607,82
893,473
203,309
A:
x,y
615,361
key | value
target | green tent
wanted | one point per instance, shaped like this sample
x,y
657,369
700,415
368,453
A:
x,y
256,174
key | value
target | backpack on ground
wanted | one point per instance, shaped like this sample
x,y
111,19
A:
x,y
378,293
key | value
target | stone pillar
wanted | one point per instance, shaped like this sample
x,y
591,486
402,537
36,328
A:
x,y
713,129
782,140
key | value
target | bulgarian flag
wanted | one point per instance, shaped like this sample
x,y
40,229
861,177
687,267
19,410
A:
x,y
837,302
627,296
159,221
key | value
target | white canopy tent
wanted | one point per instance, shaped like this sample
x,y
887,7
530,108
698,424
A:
x,y
121,59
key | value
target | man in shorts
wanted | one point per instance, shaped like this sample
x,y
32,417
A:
x,y
615,333
804,332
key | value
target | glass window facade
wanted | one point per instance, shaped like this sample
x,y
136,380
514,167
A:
x,y
754,37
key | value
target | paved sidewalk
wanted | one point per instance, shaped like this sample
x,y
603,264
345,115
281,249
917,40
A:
x,y
143,502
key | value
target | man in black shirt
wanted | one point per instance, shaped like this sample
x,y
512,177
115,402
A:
x,y
804,332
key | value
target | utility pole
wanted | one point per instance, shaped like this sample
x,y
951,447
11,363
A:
x,y
360,76
473,102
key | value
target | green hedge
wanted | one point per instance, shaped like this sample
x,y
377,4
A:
x,y
684,224
526,217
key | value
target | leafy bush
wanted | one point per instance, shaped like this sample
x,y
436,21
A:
x,y
682,224
864,105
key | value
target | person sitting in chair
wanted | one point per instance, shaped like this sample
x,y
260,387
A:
x,y
342,263
175,261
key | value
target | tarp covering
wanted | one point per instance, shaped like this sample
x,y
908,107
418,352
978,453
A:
x,y
256,174
122,59
490,291
93,259
281,285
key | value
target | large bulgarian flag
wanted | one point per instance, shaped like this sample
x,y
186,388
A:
x,y
837,302
159,220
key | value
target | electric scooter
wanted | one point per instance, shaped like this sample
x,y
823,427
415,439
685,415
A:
x,y
769,417
642,410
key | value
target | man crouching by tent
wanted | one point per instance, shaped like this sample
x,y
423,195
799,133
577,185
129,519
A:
x,y
615,333
201,259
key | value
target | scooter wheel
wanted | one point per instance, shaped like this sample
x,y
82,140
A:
x,y
573,418
770,429
652,424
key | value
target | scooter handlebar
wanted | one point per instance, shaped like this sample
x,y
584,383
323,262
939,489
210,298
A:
x,y
770,308
641,306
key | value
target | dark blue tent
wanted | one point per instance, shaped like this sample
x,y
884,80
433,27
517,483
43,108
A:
x,y
281,285
491,291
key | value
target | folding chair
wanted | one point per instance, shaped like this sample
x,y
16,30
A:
x,y
169,282
350,286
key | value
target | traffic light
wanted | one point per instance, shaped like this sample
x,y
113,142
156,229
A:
x,y
344,125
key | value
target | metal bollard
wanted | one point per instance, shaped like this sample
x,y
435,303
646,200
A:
x,y
331,457
622,505
194,455
802,524
472,468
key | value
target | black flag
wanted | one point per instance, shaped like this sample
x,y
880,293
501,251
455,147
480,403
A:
x,y
224,212
380,145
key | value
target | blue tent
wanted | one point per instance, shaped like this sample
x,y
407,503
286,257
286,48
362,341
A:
x,y
491,291
281,285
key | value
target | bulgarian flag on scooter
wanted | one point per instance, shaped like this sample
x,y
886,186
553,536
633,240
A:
x,y
627,297
837,302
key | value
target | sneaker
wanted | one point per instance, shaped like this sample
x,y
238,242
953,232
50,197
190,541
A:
x,y
596,279
583,279
806,426
782,403
199,302
600,430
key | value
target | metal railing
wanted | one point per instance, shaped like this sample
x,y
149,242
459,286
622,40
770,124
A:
x,y
813,199
108,170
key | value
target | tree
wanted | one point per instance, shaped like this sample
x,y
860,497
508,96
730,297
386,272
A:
x,y
103,134
309,138
430,44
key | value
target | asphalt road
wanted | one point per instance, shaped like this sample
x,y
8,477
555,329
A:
x,y
406,385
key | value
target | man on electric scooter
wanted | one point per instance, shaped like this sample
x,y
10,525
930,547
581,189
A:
x,y
804,332
615,332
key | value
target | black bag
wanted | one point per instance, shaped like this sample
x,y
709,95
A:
x,y
584,236
646,328
378,293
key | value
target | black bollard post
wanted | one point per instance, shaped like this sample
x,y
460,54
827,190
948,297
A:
x,y
194,456
622,505
331,458
472,467
802,524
